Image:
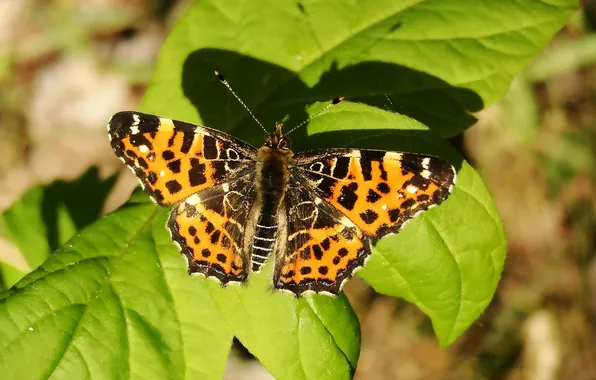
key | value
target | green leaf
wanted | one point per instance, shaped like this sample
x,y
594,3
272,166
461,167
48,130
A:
x,y
119,293
448,260
114,302
315,337
47,216
431,60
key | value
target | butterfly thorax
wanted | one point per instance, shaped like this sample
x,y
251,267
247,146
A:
x,y
274,158
273,161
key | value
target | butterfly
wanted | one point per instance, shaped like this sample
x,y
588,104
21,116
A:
x,y
316,214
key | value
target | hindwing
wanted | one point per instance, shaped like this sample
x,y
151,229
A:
x,y
322,247
210,229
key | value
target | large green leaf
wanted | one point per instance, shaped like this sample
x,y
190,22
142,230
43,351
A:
x,y
115,301
47,216
447,260
435,60
119,293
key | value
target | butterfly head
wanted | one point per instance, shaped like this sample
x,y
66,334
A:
x,y
276,139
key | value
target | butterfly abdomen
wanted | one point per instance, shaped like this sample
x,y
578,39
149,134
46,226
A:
x,y
272,177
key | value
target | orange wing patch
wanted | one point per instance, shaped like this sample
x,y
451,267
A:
x,y
322,264
173,159
380,191
209,228
323,247
207,246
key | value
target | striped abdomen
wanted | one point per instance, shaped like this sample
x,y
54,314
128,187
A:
x,y
264,239
271,178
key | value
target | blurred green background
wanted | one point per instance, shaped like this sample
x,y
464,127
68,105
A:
x,y
66,68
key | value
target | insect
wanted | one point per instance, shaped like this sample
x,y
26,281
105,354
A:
x,y
315,214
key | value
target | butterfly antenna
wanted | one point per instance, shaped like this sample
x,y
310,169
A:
x,y
389,100
334,102
225,82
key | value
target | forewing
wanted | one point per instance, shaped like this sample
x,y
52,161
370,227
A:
x,y
378,190
323,249
209,227
173,159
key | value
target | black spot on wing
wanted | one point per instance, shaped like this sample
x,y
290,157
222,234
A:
x,y
147,123
383,171
408,203
142,163
423,198
167,155
372,196
366,158
394,215
187,140
140,139
342,166
172,138
152,178
289,274
196,174
188,134
369,216
219,171
383,188
347,198
173,186
326,186
317,251
366,169
215,237
209,147
174,166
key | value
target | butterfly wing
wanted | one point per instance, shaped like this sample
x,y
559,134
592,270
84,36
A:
x,y
173,159
378,191
210,229
320,248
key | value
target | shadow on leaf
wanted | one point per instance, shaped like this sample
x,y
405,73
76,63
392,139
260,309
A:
x,y
83,200
274,93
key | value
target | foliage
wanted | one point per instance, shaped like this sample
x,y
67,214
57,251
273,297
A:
x,y
115,301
